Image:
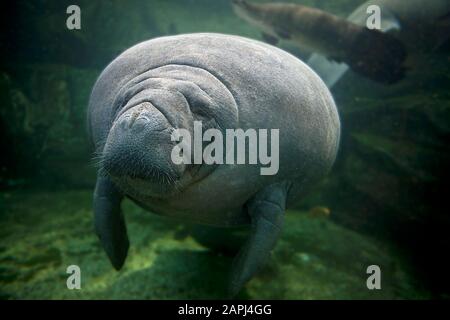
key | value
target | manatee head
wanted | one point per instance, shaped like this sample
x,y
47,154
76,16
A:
x,y
137,152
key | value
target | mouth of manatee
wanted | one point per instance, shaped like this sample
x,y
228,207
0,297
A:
x,y
137,152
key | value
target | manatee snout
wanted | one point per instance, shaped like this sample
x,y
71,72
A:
x,y
137,153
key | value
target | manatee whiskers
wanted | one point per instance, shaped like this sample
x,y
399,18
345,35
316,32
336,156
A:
x,y
97,156
136,168
97,160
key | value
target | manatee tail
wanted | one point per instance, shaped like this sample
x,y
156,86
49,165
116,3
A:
x,y
378,56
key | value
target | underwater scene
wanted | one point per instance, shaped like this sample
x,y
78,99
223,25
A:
x,y
215,149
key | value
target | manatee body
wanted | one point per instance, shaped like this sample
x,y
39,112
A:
x,y
226,82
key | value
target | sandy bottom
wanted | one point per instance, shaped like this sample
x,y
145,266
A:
x,y
42,233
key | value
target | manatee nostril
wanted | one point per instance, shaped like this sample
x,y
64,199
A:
x,y
136,118
135,114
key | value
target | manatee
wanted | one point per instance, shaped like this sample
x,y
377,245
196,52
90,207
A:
x,y
226,82
371,53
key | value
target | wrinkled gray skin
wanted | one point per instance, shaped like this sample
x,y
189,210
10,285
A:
x,y
226,82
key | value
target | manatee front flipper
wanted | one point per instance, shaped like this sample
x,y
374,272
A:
x,y
109,222
266,210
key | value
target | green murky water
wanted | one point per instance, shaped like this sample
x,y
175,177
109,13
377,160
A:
x,y
386,194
